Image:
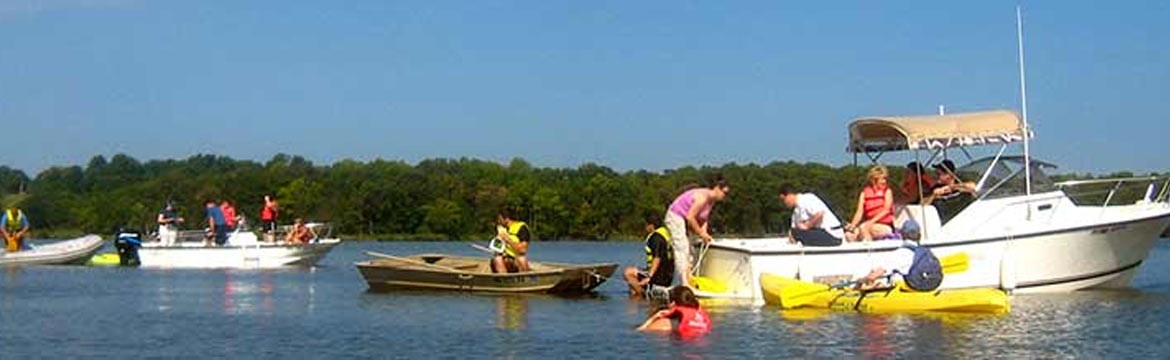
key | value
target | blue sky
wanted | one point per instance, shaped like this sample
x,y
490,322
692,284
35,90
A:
x,y
628,84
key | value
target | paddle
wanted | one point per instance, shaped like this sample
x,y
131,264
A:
x,y
800,292
408,261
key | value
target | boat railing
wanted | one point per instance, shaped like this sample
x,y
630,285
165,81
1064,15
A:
x,y
1126,190
323,231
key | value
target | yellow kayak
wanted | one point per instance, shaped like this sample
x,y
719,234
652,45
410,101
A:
x,y
778,289
105,259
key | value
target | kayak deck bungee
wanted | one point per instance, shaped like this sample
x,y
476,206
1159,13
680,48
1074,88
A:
x,y
895,299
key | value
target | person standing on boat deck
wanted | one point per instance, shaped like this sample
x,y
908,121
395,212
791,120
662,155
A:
x,y
874,218
813,223
217,223
268,218
14,226
300,233
515,235
950,194
659,272
229,213
911,189
168,224
690,211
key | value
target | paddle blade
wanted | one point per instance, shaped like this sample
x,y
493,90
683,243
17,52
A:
x,y
708,284
954,263
789,293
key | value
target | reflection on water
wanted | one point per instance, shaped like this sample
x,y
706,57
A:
x,y
511,312
71,311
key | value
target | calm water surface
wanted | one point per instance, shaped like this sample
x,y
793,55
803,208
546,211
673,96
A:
x,y
325,312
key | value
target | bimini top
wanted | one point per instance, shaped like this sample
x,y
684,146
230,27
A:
x,y
874,134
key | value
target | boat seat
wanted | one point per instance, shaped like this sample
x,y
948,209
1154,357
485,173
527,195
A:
x,y
926,216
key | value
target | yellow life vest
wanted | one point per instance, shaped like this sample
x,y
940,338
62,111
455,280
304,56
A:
x,y
14,220
665,236
514,232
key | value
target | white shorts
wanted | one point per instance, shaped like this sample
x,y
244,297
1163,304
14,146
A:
x,y
679,242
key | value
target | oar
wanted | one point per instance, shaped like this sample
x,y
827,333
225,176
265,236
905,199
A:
x,y
409,261
800,293
482,248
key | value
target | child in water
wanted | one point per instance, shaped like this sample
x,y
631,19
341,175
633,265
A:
x,y
684,307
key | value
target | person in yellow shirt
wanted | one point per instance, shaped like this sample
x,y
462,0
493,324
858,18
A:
x,y
514,235
14,226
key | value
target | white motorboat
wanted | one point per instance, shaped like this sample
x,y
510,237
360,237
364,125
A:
x,y
1022,232
242,250
74,251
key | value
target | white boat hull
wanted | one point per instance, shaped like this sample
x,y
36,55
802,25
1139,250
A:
x,y
260,255
62,252
1061,258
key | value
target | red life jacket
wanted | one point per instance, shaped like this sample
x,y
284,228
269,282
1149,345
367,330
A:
x,y
268,214
875,200
693,321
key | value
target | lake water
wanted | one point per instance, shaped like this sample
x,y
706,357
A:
x,y
325,312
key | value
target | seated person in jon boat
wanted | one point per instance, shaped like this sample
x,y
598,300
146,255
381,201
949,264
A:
x,y
874,218
689,319
14,226
813,224
300,233
659,271
514,235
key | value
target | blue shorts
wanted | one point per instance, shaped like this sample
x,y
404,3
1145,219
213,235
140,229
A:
x,y
221,234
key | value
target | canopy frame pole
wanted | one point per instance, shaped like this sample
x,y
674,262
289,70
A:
x,y
990,168
1024,108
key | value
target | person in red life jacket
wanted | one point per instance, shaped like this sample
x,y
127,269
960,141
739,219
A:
x,y
683,316
911,190
268,218
229,213
874,218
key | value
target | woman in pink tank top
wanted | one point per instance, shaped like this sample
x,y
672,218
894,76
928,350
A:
x,y
874,217
690,211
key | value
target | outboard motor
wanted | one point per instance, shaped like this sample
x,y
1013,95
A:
x,y
127,242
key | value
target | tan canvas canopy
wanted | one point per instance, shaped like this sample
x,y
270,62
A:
x,y
874,134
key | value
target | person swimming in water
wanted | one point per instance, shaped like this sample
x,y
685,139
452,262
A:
x,y
683,316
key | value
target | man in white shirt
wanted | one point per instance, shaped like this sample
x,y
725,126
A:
x,y
813,224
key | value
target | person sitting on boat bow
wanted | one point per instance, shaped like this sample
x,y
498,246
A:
x,y
813,223
300,233
653,281
515,236
14,226
874,217
689,319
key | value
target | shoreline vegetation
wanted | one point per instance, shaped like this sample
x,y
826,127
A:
x,y
432,200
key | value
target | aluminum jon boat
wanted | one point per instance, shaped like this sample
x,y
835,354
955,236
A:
x,y
465,273
75,251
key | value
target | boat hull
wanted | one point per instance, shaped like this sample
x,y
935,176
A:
x,y
980,300
74,251
255,256
472,276
1103,255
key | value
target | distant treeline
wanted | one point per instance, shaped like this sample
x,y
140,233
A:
x,y
436,198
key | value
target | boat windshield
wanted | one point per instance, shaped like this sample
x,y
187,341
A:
x,y
1007,177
